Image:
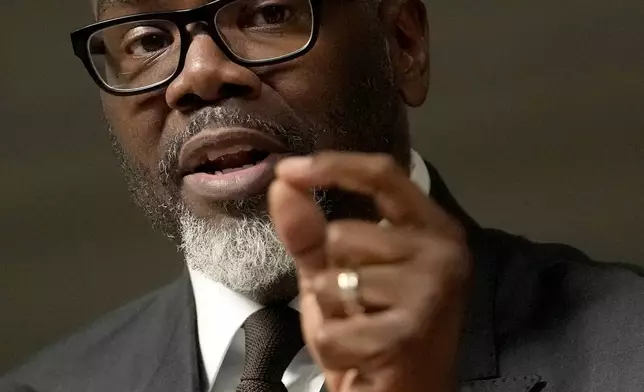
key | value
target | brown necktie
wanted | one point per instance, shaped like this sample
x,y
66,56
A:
x,y
273,338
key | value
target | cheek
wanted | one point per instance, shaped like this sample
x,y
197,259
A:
x,y
325,77
138,125
314,81
307,90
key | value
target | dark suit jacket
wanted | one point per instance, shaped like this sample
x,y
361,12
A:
x,y
542,317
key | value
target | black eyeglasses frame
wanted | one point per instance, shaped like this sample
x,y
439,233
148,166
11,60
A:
x,y
182,19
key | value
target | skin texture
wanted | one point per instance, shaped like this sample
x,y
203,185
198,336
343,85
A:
x,y
347,94
335,97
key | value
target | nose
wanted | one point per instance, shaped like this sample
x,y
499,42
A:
x,y
208,76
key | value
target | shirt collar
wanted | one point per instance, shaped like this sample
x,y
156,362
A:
x,y
221,311
419,174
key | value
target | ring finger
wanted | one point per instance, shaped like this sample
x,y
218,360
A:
x,y
377,288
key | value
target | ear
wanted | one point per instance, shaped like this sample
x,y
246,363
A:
x,y
409,46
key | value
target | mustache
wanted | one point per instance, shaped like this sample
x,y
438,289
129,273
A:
x,y
294,134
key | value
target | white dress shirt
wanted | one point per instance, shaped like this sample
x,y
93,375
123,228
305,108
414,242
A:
x,y
221,313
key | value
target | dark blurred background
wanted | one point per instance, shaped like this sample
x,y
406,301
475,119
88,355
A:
x,y
535,119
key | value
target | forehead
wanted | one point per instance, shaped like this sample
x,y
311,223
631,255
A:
x,y
113,8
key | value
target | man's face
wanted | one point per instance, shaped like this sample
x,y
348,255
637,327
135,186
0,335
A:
x,y
202,149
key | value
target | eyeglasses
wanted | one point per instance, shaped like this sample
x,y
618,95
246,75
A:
x,y
139,53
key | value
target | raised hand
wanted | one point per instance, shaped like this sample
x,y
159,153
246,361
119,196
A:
x,y
409,279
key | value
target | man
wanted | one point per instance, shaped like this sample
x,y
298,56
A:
x,y
397,288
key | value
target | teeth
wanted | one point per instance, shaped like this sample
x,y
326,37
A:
x,y
232,170
235,150
212,155
215,154
240,148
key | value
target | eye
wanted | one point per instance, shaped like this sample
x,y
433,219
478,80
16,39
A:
x,y
142,41
271,14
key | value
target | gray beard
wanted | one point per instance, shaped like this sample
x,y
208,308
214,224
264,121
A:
x,y
242,253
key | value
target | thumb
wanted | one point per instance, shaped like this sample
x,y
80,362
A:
x,y
301,226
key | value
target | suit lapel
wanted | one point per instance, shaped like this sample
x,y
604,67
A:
x,y
477,367
477,355
477,361
178,366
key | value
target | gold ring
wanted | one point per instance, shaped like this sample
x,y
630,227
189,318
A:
x,y
349,285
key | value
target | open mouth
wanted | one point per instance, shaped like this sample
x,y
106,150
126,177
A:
x,y
227,151
230,162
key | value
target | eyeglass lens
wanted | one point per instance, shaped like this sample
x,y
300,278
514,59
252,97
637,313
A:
x,y
145,53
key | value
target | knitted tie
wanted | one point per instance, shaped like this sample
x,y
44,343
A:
x,y
273,338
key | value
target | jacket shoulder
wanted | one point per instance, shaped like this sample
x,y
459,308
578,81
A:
x,y
579,320
98,351
561,281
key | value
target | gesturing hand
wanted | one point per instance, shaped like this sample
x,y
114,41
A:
x,y
413,275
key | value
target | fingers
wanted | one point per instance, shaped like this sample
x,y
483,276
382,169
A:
x,y
358,342
399,200
412,277
353,243
301,226
370,251
380,288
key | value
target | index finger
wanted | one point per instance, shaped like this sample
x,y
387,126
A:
x,y
399,200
